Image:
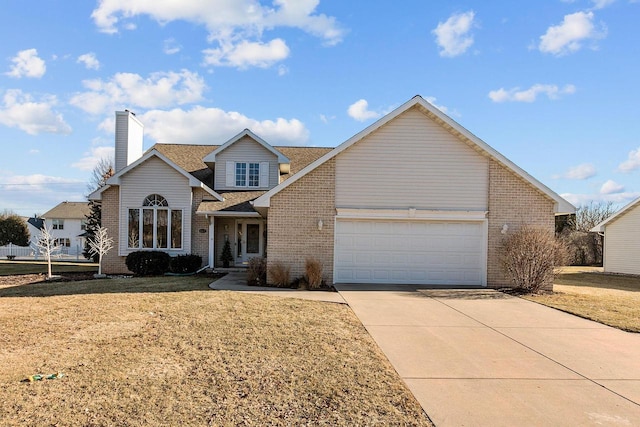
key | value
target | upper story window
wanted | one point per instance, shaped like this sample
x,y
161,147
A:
x,y
155,225
83,224
57,224
249,174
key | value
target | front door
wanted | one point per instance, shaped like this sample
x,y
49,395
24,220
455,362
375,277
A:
x,y
249,240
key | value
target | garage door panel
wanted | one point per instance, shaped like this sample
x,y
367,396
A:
x,y
412,252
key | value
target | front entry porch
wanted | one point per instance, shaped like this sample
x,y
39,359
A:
x,y
246,236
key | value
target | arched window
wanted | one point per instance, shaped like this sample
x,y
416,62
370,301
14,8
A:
x,y
155,200
155,225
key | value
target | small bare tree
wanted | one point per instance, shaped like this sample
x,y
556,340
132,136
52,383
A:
x,y
46,243
100,245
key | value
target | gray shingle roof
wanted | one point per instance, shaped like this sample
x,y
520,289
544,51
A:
x,y
68,210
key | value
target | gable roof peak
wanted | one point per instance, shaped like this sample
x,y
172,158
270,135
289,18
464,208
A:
x,y
211,157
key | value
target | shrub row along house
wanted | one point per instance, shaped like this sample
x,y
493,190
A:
x,y
412,199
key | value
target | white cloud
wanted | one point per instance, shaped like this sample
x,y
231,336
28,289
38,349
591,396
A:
x,y
27,64
530,95
611,187
128,90
201,125
21,111
632,163
283,70
580,172
34,151
29,194
432,100
247,54
171,46
89,60
93,156
569,36
453,36
359,110
229,23
601,4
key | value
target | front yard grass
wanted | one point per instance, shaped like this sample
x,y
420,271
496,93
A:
x,y
606,298
169,351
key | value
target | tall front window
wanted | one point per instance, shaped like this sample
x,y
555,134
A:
x,y
155,225
247,174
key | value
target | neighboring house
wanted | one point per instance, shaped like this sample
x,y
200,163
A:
x,y
621,253
68,225
34,224
412,199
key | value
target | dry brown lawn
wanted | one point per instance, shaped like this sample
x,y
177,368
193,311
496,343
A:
x,y
169,351
606,298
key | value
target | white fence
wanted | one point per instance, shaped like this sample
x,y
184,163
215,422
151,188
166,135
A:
x,y
11,251
17,251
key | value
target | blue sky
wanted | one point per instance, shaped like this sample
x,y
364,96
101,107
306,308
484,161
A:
x,y
552,84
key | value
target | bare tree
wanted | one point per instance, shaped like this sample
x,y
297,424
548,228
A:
x,y
592,214
47,244
101,172
585,246
100,245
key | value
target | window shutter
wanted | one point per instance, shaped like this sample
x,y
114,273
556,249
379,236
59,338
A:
x,y
231,174
264,174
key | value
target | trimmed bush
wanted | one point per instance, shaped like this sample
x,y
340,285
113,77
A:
x,y
313,273
257,272
280,275
183,264
528,257
148,263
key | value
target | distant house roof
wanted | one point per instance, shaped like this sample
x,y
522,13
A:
x,y
36,222
601,227
68,210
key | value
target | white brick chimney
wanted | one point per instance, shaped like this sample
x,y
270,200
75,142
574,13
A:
x,y
129,132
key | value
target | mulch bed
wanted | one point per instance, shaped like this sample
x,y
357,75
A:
x,y
26,279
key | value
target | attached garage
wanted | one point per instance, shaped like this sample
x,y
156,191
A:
x,y
389,251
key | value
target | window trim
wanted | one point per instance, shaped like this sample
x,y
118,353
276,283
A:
x,y
57,224
247,174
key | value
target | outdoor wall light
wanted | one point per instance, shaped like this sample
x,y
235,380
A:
x,y
505,228
320,224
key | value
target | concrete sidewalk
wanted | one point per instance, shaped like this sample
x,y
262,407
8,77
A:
x,y
237,281
483,358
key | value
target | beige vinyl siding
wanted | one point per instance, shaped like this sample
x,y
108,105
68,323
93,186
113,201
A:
x,y
155,177
411,162
622,243
244,150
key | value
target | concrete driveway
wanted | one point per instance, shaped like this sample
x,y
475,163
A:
x,y
483,358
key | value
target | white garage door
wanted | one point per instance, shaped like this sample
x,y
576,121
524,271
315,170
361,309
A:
x,y
410,252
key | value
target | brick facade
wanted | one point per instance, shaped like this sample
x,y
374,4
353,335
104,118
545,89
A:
x,y
111,262
292,226
199,241
513,202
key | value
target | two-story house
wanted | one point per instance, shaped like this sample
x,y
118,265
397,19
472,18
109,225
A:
x,y
67,222
413,198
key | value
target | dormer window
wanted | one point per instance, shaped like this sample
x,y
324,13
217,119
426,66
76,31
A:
x,y
247,174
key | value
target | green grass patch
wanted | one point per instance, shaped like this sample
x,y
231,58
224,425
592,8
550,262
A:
x,y
9,268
